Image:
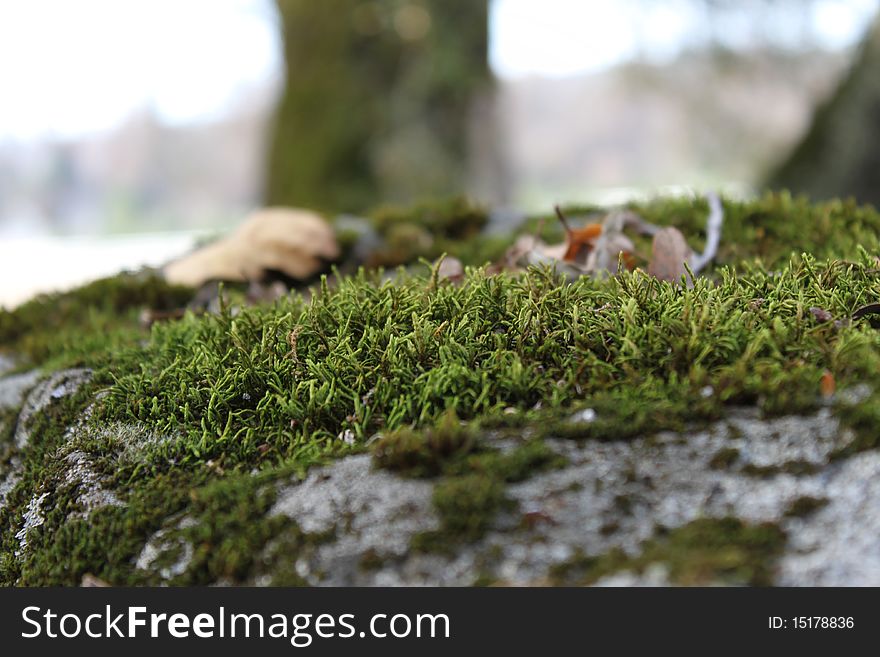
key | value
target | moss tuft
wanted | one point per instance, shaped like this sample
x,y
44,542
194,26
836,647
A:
x,y
94,319
466,506
724,458
804,506
424,454
701,552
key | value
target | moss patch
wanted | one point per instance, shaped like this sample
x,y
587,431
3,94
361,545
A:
x,y
701,552
373,356
431,228
97,319
466,506
805,505
424,453
724,458
473,474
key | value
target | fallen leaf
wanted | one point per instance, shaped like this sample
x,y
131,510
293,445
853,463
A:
x,y
579,242
451,269
594,249
669,253
291,241
821,314
828,385
869,309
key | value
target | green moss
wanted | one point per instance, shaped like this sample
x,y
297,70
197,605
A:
x,y
796,468
701,552
433,227
474,474
724,458
473,491
71,327
273,387
226,532
8,419
424,454
453,218
452,448
371,560
376,357
804,506
466,506
517,464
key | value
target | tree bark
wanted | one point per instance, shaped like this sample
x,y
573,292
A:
x,y
840,154
378,101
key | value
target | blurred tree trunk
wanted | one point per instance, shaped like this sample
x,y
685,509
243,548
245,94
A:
x,y
379,100
840,154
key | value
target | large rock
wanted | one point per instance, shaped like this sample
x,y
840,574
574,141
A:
x,y
609,495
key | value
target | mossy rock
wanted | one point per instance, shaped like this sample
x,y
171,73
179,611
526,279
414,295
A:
x,y
516,422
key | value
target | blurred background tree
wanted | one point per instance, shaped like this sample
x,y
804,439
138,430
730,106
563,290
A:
x,y
380,101
840,154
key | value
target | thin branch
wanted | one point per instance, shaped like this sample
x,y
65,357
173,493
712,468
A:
x,y
713,234
562,219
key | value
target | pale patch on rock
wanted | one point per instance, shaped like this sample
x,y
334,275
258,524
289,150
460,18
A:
x,y
611,495
164,545
369,510
7,363
91,494
12,390
837,545
654,575
57,385
33,517
14,387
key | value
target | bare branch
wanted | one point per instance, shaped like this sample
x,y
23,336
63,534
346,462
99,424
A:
x,y
713,233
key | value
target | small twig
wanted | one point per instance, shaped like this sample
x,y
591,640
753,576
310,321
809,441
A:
x,y
643,227
713,234
291,341
562,219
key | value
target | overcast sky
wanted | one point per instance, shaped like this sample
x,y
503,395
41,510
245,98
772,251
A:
x,y
69,67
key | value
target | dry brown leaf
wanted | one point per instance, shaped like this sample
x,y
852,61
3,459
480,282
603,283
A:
x,y
821,314
450,269
609,246
669,253
292,241
828,384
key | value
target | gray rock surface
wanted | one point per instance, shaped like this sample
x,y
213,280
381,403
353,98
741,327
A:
x,y
371,511
612,495
161,544
14,387
7,364
79,474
